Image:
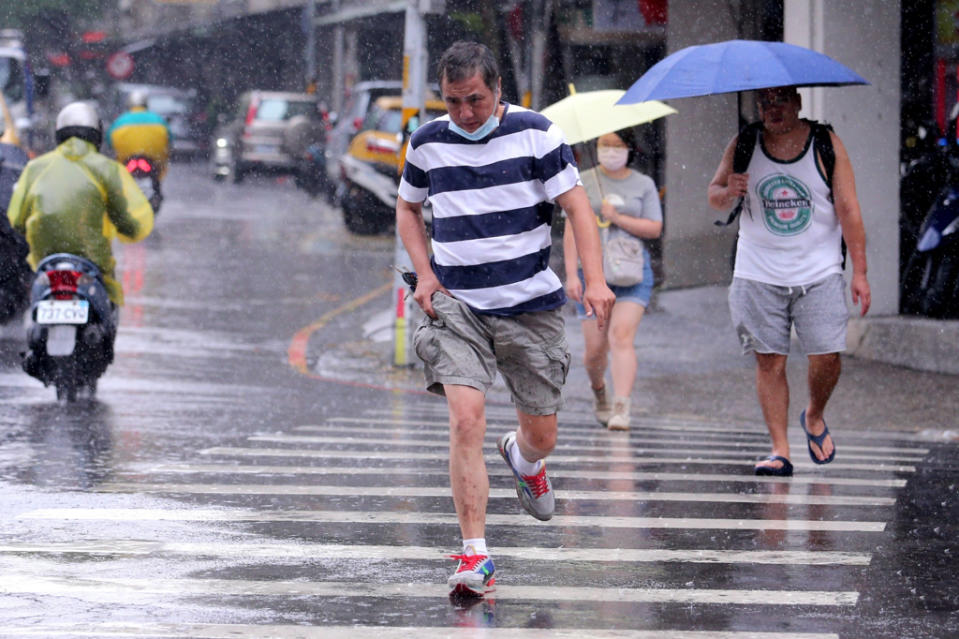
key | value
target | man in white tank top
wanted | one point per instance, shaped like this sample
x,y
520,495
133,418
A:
x,y
788,271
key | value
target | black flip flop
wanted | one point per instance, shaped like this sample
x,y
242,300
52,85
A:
x,y
786,470
818,440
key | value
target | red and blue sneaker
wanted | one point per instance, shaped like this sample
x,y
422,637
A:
x,y
473,576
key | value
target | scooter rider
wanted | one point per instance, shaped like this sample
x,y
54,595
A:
x,y
141,132
74,199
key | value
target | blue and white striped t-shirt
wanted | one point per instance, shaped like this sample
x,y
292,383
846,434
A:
x,y
492,208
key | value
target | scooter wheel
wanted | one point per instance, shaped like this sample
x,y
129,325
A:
x,y
66,389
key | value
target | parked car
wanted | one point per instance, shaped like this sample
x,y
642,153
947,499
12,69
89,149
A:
x,y
21,91
350,119
187,122
370,168
10,134
253,139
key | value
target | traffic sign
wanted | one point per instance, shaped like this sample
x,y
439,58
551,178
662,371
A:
x,y
120,65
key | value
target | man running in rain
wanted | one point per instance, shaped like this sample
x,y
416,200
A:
x,y
492,171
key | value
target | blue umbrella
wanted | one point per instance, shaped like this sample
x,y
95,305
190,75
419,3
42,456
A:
x,y
737,65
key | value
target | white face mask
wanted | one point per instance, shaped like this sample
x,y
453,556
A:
x,y
485,129
612,158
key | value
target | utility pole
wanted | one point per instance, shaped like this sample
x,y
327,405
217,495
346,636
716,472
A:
x,y
414,100
309,13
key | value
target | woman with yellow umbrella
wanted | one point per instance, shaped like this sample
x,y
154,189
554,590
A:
x,y
628,211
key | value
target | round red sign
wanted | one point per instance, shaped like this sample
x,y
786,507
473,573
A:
x,y
120,65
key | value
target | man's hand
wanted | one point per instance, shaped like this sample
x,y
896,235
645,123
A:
x,y
598,300
426,285
861,294
737,185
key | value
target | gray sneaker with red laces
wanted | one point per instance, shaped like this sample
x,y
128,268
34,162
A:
x,y
535,492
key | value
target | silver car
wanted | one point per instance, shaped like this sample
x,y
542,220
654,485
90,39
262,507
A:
x,y
253,139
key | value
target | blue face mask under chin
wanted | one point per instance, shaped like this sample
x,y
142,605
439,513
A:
x,y
485,129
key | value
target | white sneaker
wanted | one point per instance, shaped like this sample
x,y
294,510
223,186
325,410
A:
x,y
601,407
620,417
535,492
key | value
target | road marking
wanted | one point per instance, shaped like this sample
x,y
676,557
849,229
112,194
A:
x,y
614,439
641,423
296,353
142,468
298,551
381,517
241,631
634,445
127,588
552,459
496,493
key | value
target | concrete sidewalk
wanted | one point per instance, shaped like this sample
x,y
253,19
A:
x,y
900,373
690,364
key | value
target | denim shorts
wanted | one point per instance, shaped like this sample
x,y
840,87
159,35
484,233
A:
x,y
465,348
640,293
764,315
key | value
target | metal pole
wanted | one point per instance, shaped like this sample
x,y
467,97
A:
x,y
310,53
414,99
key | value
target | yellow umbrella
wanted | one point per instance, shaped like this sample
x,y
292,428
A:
x,y
588,115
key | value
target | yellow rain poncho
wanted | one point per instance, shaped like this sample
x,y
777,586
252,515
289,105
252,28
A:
x,y
75,200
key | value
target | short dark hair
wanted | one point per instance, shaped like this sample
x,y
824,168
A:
x,y
463,59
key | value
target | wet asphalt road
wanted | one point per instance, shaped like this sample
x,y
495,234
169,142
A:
x,y
253,467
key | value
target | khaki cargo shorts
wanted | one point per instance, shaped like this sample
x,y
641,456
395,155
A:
x,y
464,348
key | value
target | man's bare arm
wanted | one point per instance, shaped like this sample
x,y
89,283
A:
x,y
412,231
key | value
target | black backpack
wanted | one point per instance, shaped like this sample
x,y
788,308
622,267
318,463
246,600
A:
x,y
743,153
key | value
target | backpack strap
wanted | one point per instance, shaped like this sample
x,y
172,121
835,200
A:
x,y
825,152
822,142
743,153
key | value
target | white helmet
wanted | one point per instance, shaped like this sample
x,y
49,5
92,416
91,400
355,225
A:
x,y
79,120
137,98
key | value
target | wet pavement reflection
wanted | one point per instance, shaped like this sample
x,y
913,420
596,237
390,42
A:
x,y
213,489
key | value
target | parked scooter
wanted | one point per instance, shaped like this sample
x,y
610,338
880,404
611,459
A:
x,y
310,172
929,190
15,273
930,283
146,174
73,326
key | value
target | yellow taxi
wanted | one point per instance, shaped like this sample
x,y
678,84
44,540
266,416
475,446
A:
x,y
370,168
10,135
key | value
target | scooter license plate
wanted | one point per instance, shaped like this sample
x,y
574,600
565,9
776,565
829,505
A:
x,y
63,312
145,184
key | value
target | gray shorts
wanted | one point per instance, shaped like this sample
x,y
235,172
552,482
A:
x,y
465,348
764,314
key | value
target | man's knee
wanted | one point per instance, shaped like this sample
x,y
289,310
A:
x,y
539,434
771,363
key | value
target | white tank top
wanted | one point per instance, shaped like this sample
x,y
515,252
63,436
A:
x,y
789,234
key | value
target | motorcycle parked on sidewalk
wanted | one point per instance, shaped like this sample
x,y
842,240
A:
x,y
71,336
929,223
930,282
15,273
146,174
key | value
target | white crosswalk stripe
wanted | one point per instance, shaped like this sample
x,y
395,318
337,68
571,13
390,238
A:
x,y
578,473
274,631
496,493
650,459
623,502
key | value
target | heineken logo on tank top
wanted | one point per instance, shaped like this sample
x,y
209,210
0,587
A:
x,y
786,204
